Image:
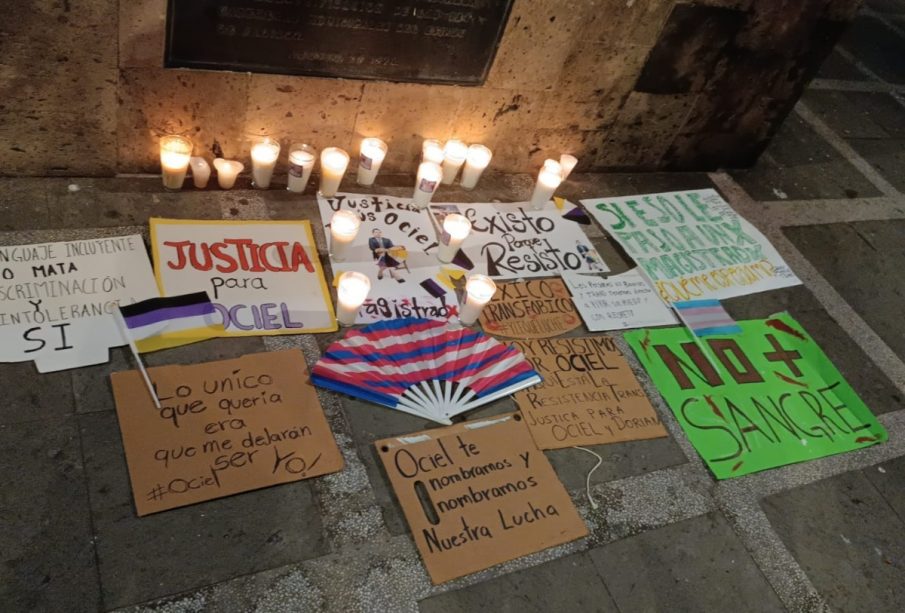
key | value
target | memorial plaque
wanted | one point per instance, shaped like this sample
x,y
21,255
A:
x,y
426,41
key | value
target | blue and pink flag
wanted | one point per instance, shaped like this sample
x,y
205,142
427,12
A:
x,y
706,317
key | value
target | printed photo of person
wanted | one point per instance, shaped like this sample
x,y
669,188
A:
x,y
383,251
590,256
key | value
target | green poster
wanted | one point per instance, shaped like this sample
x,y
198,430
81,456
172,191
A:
x,y
756,400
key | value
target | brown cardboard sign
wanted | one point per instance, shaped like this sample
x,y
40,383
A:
x,y
538,308
589,395
223,428
478,494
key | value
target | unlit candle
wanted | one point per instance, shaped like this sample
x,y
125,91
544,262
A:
x,y
301,163
426,183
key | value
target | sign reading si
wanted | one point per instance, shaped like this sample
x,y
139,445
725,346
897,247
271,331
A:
x,y
264,277
769,397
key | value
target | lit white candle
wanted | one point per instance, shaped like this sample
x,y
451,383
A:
x,y
479,289
343,230
455,229
301,163
351,293
263,160
371,155
477,160
175,154
568,163
454,153
334,162
426,183
432,151
227,171
201,172
547,181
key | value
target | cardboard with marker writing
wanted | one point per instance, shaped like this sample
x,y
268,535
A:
x,y
224,427
537,308
589,395
490,495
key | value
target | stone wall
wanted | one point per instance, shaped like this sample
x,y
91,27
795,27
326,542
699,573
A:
x,y
640,84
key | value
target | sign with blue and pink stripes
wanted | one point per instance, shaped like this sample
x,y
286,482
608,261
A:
x,y
706,317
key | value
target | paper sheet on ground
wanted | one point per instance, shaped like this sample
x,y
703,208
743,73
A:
x,y
620,301
264,277
224,427
766,397
536,308
692,244
57,299
493,496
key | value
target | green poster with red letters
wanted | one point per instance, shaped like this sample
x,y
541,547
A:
x,y
763,398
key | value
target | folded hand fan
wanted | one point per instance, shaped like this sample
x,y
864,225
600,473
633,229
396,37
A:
x,y
422,367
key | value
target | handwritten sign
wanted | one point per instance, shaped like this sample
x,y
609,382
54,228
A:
x,y
589,395
57,299
478,494
223,427
617,302
538,308
763,398
264,277
692,244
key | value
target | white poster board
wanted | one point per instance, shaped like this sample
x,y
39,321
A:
x,y
57,299
263,277
693,245
617,302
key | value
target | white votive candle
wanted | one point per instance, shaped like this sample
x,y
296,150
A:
x,y
432,151
454,153
175,154
568,163
227,171
547,181
201,172
370,157
479,289
475,162
343,230
426,183
455,229
334,162
301,163
351,293
263,160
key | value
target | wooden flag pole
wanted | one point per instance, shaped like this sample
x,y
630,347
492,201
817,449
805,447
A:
x,y
141,366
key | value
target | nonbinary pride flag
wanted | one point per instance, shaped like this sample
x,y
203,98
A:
x,y
706,317
161,323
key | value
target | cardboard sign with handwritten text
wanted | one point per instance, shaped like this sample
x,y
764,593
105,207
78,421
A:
x,y
489,495
538,308
224,427
589,395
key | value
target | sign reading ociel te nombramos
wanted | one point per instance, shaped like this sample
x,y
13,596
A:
x,y
264,277
57,299
478,494
223,428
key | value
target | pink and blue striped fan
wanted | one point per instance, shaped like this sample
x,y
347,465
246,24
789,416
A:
x,y
422,367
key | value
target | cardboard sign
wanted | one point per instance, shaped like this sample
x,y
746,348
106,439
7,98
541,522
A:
x,y
589,395
693,245
224,427
764,398
489,495
538,308
617,302
396,247
264,277
57,299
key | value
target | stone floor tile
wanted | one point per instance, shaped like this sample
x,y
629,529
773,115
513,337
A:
x,y
874,388
878,46
889,479
887,156
26,400
693,565
23,204
46,546
567,584
836,66
858,114
189,547
847,540
91,385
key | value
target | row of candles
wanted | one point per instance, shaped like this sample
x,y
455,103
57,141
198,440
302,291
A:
x,y
440,164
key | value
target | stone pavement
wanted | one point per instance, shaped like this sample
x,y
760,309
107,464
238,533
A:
x,y
825,535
